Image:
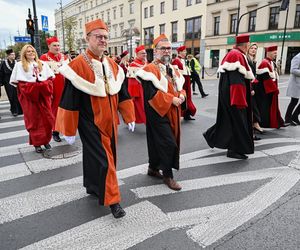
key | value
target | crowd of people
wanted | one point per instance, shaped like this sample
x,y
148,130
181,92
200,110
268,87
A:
x,y
60,95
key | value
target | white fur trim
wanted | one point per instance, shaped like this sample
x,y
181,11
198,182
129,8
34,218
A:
x,y
236,66
273,75
131,71
98,87
178,80
161,84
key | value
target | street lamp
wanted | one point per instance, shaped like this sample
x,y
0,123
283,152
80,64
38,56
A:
x,y
37,42
62,24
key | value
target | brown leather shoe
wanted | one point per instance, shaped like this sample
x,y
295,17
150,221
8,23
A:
x,y
154,173
172,184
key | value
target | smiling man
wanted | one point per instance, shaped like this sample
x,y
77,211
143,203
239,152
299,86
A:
x,y
93,94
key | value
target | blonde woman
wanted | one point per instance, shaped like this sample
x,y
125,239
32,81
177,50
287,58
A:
x,y
34,82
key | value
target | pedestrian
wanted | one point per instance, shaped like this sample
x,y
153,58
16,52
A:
x,y
33,79
124,63
180,62
293,91
94,92
163,94
267,91
195,68
233,128
6,69
135,89
55,59
251,57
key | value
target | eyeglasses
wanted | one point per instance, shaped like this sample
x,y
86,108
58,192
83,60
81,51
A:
x,y
164,48
99,37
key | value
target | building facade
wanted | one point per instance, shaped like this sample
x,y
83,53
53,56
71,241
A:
x,y
265,26
121,16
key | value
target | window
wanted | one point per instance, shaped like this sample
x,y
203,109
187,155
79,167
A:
x,y
274,17
92,17
121,11
252,21
80,23
217,25
162,7
115,13
115,30
97,15
193,28
102,16
108,15
233,23
174,4
131,6
198,1
162,28
146,12
174,31
79,9
148,35
151,11
188,2
116,51
121,28
297,17
217,1
91,4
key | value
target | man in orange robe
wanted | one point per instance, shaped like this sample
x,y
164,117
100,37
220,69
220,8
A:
x,y
93,94
55,59
162,84
135,89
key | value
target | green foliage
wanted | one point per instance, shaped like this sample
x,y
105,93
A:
x,y
70,26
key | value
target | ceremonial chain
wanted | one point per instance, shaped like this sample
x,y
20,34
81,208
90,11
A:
x,y
163,70
51,60
7,65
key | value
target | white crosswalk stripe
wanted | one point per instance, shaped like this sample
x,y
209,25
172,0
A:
x,y
144,219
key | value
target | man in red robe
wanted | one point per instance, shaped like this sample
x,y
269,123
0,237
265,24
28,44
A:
x,y
163,92
267,91
190,108
233,128
135,89
93,94
55,59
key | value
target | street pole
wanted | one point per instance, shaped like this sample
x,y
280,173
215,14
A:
x,y
238,19
284,33
62,25
31,34
36,31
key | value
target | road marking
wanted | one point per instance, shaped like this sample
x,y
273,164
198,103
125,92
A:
x,y
14,134
13,171
11,124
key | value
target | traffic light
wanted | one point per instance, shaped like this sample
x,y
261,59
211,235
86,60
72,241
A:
x,y
30,26
284,4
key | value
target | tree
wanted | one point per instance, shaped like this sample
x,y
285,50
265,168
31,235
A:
x,y
44,35
70,26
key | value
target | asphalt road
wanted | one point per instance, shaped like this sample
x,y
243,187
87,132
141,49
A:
x,y
224,203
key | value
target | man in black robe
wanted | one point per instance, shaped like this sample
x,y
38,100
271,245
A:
x,y
5,72
233,129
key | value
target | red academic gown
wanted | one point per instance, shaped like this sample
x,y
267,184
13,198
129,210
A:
x,y
91,105
190,107
135,90
54,62
267,95
163,118
233,128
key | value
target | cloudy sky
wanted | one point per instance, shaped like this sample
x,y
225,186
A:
x,y
13,14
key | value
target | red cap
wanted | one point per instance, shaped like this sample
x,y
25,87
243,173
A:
x,y
271,48
96,24
181,48
159,38
125,53
51,40
244,38
138,49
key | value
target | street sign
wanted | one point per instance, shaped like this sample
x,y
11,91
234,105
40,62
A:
x,y
22,39
45,26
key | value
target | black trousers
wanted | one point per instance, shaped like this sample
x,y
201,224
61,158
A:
x,y
196,80
292,113
168,173
11,91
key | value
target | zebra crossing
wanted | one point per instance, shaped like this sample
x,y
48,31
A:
x,y
49,209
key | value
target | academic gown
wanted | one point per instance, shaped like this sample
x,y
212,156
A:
x,y
54,62
190,107
233,127
163,118
11,91
91,105
35,93
135,90
267,95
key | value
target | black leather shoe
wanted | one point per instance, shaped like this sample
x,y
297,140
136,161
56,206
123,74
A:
x,y
47,146
258,130
255,138
154,173
38,149
235,155
56,137
117,210
189,118
205,95
295,122
194,93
